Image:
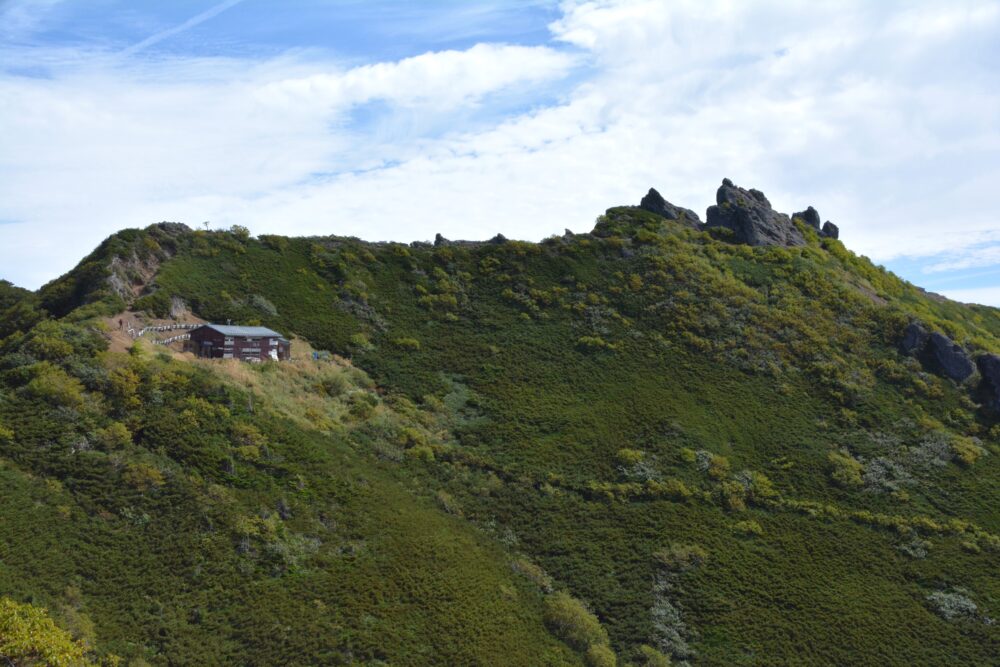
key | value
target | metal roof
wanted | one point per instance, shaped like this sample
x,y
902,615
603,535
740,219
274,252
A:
x,y
232,330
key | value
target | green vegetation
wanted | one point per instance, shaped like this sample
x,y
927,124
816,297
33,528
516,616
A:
x,y
29,637
718,447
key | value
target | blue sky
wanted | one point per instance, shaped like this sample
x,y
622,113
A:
x,y
397,120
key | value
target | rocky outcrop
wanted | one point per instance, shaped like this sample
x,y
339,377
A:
x,y
989,387
914,339
950,357
655,203
810,216
171,228
748,214
440,240
937,352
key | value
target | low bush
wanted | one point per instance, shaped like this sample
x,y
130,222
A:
x,y
845,470
572,622
680,557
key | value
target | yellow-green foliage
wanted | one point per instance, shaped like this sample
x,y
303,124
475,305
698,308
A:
x,y
29,637
966,450
448,503
143,476
593,344
113,436
748,527
411,344
600,655
733,496
572,622
718,467
629,457
650,657
523,566
124,386
844,470
6,433
679,557
54,385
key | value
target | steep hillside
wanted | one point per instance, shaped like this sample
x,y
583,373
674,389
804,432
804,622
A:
x,y
723,443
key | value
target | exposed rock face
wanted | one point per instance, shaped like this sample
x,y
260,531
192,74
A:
x,y
937,352
914,339
178,308
171,228
830,230
989,369
749,215
440,240
655,203
810,216
951,358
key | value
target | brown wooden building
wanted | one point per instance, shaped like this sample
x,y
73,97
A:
x,y
223,341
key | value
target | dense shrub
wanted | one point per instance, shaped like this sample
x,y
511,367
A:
x,y
572,622
845,470
600,655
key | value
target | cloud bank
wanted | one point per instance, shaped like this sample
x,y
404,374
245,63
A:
x,y
882,115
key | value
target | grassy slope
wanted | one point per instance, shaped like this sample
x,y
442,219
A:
x,y
541,362
365,567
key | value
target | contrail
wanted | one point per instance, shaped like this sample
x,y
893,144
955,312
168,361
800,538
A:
x,y
187,25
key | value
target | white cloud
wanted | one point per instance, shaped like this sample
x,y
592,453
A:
x,y
969,258
986,296
441,79
883,115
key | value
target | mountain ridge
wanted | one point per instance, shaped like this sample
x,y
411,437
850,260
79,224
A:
x,y
660,443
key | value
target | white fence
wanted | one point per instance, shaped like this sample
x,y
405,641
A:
x,y
167,341
136,333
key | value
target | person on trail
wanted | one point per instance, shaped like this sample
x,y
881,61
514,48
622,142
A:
x,y
121,324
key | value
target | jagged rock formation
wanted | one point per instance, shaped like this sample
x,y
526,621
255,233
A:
x,y
937,352
989,369
749,215
655,203
810,216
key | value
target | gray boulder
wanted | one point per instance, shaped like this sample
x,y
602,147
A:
x,y
749,215
914,339
950,357
440,240
989,369
655,203
830,230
